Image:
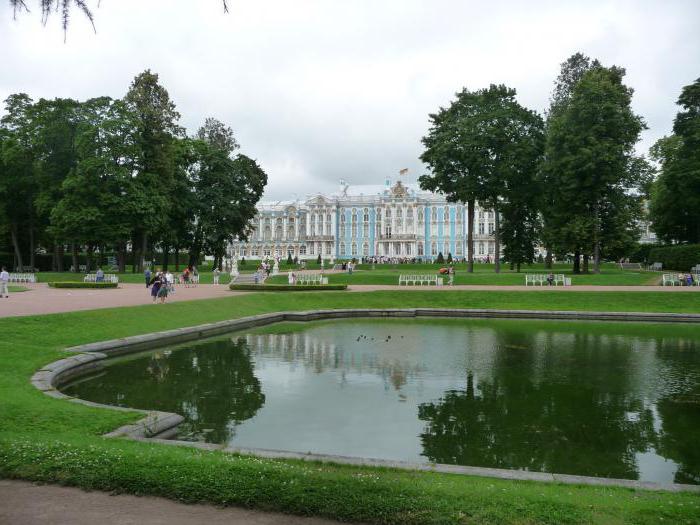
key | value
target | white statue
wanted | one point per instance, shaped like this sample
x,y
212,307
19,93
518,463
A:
x,y
276,267
234,266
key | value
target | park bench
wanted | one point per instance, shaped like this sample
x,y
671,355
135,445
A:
x,y
630,266
420,280
311,279
22,278
109,278
656,267
670,279
541,279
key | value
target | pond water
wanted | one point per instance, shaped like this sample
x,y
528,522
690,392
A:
x,y
596,399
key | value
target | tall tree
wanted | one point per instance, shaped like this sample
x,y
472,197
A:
x,y
156,123
18,187
479,148
590,159
675,196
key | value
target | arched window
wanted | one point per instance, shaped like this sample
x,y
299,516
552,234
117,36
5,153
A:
x,y
342,248
354,249
433,216
433,248
446,214
365,215
365,249
302,249
459,248
399,213
342,217
481,248
420,216
420,248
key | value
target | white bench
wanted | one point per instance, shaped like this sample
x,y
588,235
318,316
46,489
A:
x,y
670,279
311,279
630,266
656,267
22,278
420,280
108,278
541,279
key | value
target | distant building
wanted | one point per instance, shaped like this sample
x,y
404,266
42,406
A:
x,y
394,220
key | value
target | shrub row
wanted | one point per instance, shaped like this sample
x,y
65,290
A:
x,y
78,284
681,257
287,287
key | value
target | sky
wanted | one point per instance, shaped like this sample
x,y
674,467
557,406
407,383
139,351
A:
x,y
319,91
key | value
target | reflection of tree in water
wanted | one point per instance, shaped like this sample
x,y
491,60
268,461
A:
x,y
321,355
680,412
211,384
557,423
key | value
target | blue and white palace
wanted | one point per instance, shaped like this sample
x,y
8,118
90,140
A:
x,y
394,220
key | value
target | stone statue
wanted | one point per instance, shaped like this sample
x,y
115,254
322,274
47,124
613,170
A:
x,y
276,267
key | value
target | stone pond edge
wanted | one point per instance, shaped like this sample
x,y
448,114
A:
x,y
156,426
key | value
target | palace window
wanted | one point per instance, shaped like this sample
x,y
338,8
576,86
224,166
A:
x,y
433,215
342,230
446,215
342,248
481,248
311,248
365,249
254,251
388,213
266,251
433,248
354,230
446,249
365,230
365,215
420,248
459,248
342,217
481,228
420,216
490,228
354,248
399,213
354,215
302,249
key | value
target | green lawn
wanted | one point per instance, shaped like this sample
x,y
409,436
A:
x,y
45,277
51,440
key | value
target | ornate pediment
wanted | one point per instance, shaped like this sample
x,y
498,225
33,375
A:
x,y
399,190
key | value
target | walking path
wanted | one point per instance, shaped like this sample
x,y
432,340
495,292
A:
x,y
29,504
40,299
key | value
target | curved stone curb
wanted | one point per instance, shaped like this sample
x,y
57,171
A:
x,y
157,426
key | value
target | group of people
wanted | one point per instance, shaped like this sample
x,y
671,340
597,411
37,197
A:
x,y
162,283
686,279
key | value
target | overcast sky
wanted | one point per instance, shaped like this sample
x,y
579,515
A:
x,y
319,91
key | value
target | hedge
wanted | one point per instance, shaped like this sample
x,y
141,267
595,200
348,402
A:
x,y
287,287
78,284
681,257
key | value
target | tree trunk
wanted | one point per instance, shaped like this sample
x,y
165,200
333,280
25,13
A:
x,y
585,263
121,258
88,258
54,259
577,261
15,245
596,240
166,256
59,263
177,258
142,255
31,244
496,240
470,236
518,266
74,253
548,259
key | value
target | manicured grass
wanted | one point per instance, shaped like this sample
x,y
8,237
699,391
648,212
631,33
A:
x,y
15,288
51,440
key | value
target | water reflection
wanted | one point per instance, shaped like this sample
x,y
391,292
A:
x,y
583,398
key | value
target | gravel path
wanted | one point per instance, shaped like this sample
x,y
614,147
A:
x,y
41,299
28,504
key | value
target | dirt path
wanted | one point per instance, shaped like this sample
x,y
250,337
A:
x,y
28,504
41,299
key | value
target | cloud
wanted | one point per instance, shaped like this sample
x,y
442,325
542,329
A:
x,y
317,91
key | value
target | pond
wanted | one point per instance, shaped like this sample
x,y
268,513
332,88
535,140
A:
x,y
617,400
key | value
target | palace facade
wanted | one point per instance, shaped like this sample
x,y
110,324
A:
x,y
394,220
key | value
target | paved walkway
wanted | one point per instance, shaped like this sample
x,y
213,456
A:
x,y
41,299
28,504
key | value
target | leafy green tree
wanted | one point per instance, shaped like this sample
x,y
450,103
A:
x,y
449,258
590,160
156,123
675,196
18,185
440,259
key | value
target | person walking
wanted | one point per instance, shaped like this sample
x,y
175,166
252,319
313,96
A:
x,y
156,285
147,276
451,275
100,275
216,273
4,283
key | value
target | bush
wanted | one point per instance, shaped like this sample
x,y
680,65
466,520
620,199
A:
x,y
318,259
642,252
440,259
680,257
78,284
287,287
